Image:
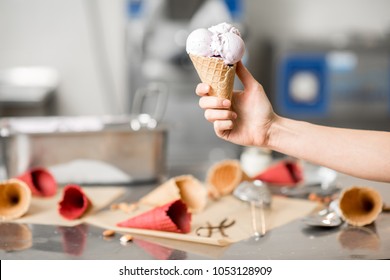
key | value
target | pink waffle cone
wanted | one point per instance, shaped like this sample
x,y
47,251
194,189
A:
x,y
74,202
214,72
172,217
40,181
285,172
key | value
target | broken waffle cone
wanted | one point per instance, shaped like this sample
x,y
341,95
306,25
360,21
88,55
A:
x,y
360,206
40,181
74,202
224,176
172,217
214,72
15,199
185,187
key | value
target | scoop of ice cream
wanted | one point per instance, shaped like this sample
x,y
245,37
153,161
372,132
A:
x,y
222,40
199,42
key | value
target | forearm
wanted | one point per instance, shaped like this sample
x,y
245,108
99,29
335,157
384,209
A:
x,y
360,153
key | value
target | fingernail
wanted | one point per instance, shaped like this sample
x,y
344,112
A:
x,y
234,115
226,103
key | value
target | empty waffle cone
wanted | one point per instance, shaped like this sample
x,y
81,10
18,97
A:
x,y
15,199
74,203
185,187
40,181
214,72
224,176
172,217
360,206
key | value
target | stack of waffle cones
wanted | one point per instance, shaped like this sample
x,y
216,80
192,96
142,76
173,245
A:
x,y
214,72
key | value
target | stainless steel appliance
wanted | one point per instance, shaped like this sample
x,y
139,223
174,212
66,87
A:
x,y
345,85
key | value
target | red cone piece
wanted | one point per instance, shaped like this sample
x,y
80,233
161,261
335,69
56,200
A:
x,y
282,173
40,181
74,202
172,217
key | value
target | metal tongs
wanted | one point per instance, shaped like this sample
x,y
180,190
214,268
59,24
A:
x,y
257,194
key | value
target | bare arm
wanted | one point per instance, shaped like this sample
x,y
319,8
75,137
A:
x,y
360,153
250,120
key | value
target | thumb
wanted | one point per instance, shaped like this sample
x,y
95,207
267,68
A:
x,y
245,76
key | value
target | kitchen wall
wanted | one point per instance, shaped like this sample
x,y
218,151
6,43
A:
x,y
62,34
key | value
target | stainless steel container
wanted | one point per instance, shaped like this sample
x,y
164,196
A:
x,y
128,149
86,150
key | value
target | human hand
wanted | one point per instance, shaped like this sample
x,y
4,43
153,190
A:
x,y
246,119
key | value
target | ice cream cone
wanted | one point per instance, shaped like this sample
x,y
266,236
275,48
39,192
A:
x,y
185,187
214,72
172,217
285,172
15,199
224,176
360,206
74,202
40,181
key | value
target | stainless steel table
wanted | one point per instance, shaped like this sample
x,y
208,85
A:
x,y
291,241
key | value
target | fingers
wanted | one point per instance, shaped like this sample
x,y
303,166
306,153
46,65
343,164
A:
x,y
222,127
202,89
211,102
214,115
245,76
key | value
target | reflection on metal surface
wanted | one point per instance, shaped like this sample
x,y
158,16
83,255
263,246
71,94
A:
x,y
160,252
354,238
209,228
74,239
15,237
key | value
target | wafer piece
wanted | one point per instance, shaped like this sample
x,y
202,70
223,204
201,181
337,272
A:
x,y
172,217
40,181
360,206
74,202
185,187
15,199
224,176
214,72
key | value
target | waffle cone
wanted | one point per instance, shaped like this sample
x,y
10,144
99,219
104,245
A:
x,y
185,187
224,176
40,181
74,203
172,217
214,72
15,199
360,206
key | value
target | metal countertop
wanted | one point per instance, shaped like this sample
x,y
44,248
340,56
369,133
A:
x,y
291,241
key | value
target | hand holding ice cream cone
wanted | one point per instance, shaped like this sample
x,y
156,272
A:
x,y
215,52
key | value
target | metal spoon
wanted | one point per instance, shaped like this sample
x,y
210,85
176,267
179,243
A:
x,y
327,217
258,195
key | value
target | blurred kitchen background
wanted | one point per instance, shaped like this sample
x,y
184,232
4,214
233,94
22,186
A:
x,y
323,61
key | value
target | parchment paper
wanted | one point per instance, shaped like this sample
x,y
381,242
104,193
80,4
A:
x,y
45,210
283,210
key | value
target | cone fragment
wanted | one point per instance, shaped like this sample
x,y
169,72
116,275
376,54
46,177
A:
x,y
214,72
40,181
15,199
286,173
224,176
172,217
74,202
360,206
185,187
